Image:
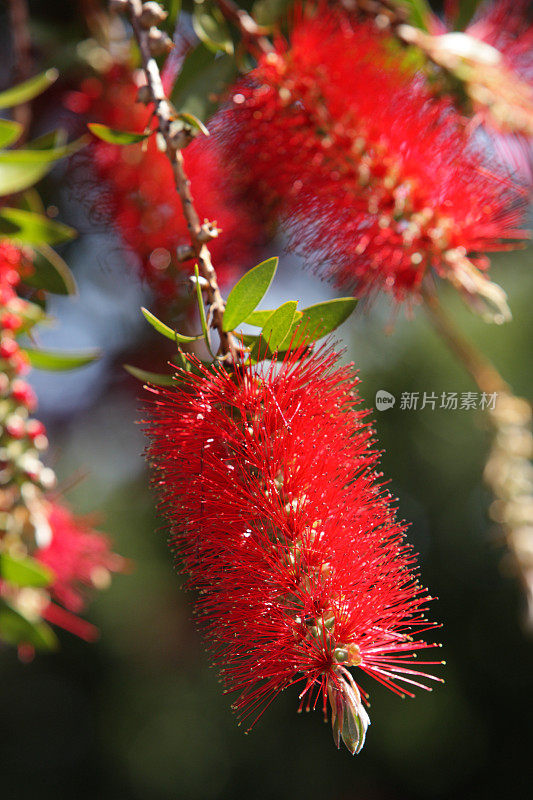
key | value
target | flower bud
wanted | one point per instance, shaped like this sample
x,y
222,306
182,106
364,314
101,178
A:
x,y
349,720
152,14
159,42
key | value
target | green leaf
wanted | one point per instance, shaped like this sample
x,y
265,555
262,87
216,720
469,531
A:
x,y
16,629
174,8
194,122
267,12
57,361
465,11
164,330
247,339
53,139
195,62
24,571
30,200
16,175
150,377
20,169
419,12
30,228
9,132
50,272
28,90
320,319
203,78
201,309
248,293
258,318
279,324
114,136
211,27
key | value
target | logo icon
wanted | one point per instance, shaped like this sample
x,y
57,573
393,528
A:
x,y
384,400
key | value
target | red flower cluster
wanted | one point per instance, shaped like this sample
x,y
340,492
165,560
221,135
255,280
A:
x,y
80,558
374,177
279,517
144,204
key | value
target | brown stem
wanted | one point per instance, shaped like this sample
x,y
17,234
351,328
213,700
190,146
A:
x,y
480,368
165,114
251,32
22,61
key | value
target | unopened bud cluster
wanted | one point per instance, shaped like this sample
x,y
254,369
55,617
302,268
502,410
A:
x,y
33,527
22,438
151,15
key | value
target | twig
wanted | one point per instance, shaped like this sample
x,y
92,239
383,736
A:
x,y
251,32
165,114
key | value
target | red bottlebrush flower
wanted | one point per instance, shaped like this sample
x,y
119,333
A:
x,y
142,197
279,517
79,557
375,178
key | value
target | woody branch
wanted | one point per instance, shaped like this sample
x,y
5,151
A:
x,y
152,42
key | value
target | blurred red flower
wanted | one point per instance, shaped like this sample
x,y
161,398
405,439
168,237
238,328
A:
x,y
375,178
141,196
80,560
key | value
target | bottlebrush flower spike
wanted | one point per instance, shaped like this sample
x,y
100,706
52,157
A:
x,y
140,196
375,178
268,478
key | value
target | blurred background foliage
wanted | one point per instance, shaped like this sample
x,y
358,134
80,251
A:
x,y
140,715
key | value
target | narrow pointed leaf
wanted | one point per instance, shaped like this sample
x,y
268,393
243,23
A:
x,y
28,90
174,8
16,629
20,169
114,136
419,12
194,122
50,272
150,377
30,228
57,361
48,141
30,200
24,571
320,319
164,330
9,132
202,82
201,309
248,293
258,318
211,27
278,325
